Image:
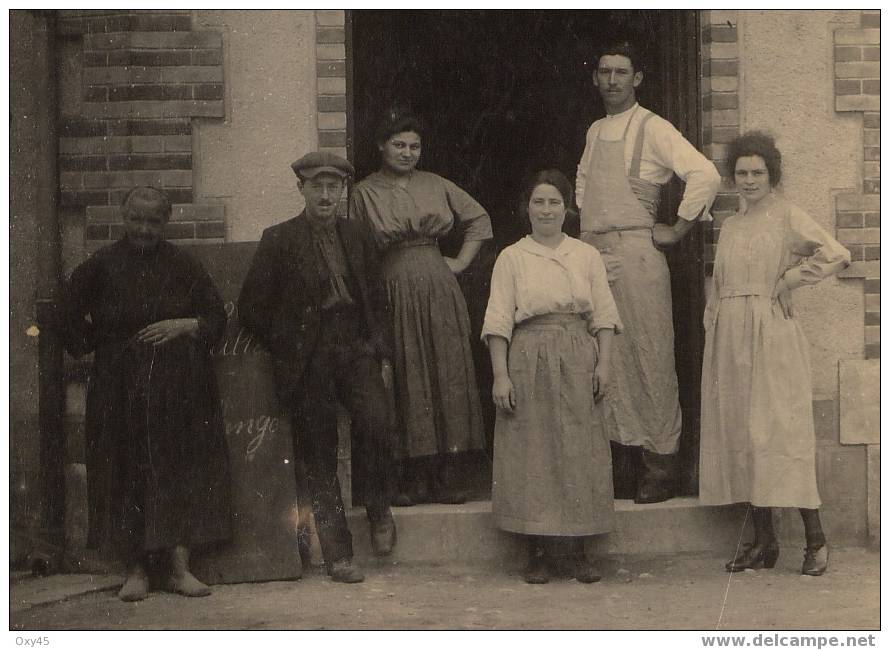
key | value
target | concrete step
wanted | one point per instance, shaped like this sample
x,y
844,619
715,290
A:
x,y
465,534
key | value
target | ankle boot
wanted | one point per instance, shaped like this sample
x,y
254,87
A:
x,y
536,572
658,481
760,555
445,480
181,580
582,571
815,560
626,464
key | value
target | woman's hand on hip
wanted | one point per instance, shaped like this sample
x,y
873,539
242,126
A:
x,y
503,394
782,295
164,331
455,265
600,382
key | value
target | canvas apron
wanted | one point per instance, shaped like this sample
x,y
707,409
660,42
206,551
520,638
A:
x,y
618,213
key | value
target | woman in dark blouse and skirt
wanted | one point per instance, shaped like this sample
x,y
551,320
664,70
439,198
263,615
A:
x,y
408,210
157,466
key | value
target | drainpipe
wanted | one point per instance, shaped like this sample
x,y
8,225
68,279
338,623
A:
x,y
49,545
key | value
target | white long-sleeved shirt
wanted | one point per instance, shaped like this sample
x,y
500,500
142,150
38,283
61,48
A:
x,y
665,153
531,280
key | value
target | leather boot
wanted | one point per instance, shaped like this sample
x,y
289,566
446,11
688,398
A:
x,y
536,571
815,560
446,480
383,534
582,570
181,580
343,570
659,479
625,464
760,555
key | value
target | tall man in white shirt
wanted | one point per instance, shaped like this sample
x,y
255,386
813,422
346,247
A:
x,y
630,154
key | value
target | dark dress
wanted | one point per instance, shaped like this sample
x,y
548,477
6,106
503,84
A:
x,y
435,379
157,465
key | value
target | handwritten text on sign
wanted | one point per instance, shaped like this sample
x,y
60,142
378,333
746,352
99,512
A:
x,y
247,414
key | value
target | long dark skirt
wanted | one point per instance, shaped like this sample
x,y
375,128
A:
x,y
157,465
436,394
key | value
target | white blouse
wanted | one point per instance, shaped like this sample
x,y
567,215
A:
x,y
532,280
665,153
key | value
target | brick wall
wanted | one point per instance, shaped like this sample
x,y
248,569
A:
x,y
330,52
145,77
720,111
857,88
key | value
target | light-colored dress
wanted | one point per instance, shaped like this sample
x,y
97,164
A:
x,y
552,462
757,437
435,378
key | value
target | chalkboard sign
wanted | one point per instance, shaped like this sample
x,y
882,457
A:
x,y
264,498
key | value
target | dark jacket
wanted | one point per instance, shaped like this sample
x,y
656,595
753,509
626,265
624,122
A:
x,y
281,297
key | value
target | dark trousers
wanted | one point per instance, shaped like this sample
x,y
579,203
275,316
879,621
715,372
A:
x,y
343,369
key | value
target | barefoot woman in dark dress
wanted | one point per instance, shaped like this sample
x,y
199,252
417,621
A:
x,y
157,467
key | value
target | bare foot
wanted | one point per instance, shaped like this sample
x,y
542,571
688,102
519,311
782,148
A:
x,y
136,586
188,585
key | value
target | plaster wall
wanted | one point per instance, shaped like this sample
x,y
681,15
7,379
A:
x,y
792,96
27,63
244,160
28,188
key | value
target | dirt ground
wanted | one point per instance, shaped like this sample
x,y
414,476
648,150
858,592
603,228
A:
x,y
676,592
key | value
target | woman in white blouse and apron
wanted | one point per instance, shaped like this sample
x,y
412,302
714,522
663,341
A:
x,y
549,326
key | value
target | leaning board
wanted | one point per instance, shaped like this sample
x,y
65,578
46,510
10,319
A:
x,y
264,500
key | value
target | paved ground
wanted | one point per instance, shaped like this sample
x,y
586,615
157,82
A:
x,y
676,592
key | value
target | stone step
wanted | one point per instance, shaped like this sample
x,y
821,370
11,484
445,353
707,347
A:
x,y
465,534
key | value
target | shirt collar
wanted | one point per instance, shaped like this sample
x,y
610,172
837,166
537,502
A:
x,y
531,246
622,113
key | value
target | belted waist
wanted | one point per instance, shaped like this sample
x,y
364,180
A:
x,y
416,241
746,290
617,229
553,321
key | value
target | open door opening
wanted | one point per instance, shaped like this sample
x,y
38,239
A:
x,y
505,93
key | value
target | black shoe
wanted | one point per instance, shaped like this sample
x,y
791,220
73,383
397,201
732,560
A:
x,y
345,571
383,535
755,556
815,560
653,491
449,496
407,498
659,478
402,500
536,573
585,573
625,467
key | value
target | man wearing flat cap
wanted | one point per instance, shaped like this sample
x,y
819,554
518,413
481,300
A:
x,y
314,297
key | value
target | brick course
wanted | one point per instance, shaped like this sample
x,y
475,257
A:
x,y
857,89
146,76
331,100
720,110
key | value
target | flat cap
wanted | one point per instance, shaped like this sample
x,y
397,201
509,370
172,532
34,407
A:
x,y
317,162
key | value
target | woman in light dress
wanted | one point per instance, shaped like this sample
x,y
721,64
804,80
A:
x,y
549,326
757,437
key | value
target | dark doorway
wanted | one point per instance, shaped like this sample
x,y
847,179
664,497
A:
x,y
505,93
